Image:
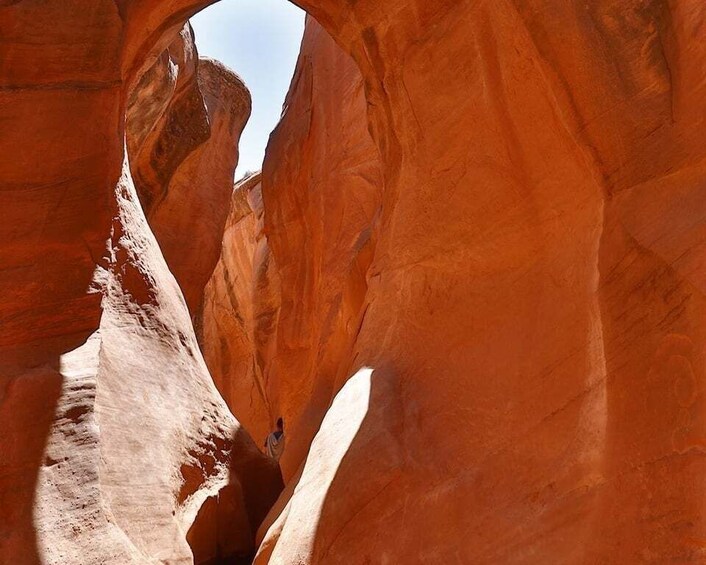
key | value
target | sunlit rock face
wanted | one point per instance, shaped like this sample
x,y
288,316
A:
x,y
485,328
275,348
240,307
114,435
140,440
322,187
184,121
531,310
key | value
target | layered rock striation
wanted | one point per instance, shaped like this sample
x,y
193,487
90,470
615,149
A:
x,y
184,121
240,309
116,442
473,288
514,375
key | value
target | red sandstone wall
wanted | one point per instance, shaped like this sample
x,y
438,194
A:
x,y
239,308
530,314
322,190
113,433
184,121
532,304
278,349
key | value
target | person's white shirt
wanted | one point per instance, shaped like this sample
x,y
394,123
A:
x,y
274,444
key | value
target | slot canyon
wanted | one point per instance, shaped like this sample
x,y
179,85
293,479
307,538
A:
x,y
467,278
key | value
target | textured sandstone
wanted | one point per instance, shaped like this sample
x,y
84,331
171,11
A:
x,y
113,433
532,305
322,196
240,305
267,342
184,122
507,370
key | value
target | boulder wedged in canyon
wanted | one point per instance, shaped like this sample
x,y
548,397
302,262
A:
x,y
115,441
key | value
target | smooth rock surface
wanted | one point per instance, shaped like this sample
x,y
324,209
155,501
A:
x,y
113,433
271,343
240,307
322,190
184,121
507,369
531,308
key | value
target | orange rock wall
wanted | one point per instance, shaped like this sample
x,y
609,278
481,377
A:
x,y
524,384
508,370
184,121
322,190
240,304
268,343
113,433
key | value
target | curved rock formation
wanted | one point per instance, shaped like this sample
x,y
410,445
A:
x,y
269,342
484,329
240,305
322,198
184,121
529,316
113,433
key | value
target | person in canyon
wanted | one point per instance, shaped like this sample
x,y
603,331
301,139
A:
x,y
274,444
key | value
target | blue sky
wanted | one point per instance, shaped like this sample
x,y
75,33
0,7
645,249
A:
x,y
259,40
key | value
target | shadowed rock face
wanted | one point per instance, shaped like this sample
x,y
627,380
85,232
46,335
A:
x,y
508,369
530,313
240,307
113,433
184,121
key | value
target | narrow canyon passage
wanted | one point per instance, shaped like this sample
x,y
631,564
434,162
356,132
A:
x,y
468,277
